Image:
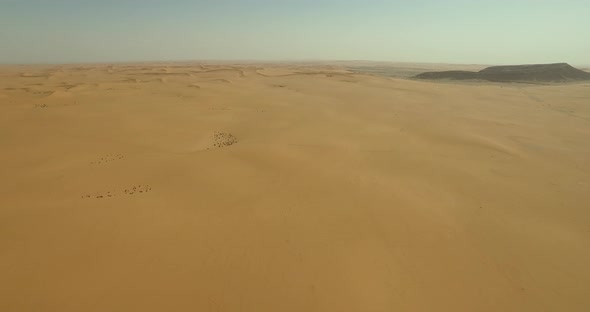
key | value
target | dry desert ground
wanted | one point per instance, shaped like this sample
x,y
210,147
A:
x,y
289,187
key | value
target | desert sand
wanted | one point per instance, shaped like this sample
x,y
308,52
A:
x,y
289,187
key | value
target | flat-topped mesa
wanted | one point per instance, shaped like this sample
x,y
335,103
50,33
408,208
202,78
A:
x,y
558,72
543,72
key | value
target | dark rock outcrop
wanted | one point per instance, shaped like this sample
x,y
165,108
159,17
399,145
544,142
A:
x,y
451,74
559,72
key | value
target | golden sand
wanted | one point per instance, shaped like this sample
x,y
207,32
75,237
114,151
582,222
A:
x,y
201,187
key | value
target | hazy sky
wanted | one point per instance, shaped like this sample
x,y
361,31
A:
x,y
454,31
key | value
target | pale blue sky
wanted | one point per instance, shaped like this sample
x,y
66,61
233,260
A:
x,y
453,31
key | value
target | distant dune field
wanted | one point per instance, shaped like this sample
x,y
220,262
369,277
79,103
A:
x,y
290,187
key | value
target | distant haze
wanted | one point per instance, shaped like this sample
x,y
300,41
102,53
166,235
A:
x,y
454,31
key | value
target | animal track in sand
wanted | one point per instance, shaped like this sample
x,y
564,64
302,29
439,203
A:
x,y
41,106
70,86
138,189
41,92
222,139
134,190
108,158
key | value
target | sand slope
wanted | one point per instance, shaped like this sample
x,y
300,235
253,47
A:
x,y
203,187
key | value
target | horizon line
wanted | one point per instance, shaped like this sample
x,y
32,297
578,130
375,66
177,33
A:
x,y
254,61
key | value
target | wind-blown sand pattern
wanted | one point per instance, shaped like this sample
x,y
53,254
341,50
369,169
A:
x,y
295,187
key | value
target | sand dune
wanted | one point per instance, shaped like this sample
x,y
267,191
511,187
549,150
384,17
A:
x,y
290,187
272,72
220,73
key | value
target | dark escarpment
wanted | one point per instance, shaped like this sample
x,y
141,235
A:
x,y
559,72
